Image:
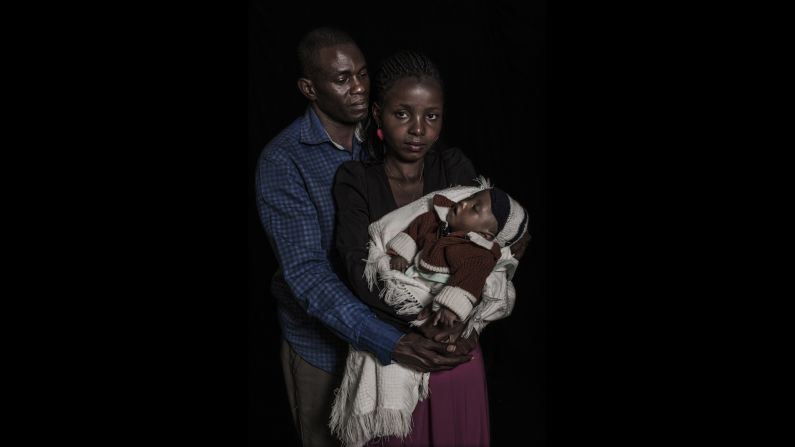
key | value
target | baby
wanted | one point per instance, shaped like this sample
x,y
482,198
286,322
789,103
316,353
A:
x,y
463,240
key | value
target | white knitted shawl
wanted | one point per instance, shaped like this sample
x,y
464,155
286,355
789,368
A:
x,y
375,400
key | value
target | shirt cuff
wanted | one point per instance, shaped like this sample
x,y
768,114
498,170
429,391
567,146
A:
x,y
379,338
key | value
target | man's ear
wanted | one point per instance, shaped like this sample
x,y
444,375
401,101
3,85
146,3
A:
x,y
307,88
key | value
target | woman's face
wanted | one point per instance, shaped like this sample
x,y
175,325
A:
x,y
411,117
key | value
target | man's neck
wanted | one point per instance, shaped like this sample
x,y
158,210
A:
x,y
340,133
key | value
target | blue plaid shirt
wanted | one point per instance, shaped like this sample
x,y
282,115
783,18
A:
x,y
295,176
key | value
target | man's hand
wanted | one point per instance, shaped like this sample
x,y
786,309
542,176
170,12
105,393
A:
x,y
425,355
398,263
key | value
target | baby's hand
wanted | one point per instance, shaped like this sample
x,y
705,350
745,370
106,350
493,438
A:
x,y
447,317
398,263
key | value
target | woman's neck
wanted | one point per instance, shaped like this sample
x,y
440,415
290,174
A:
x,y
405,179
404,172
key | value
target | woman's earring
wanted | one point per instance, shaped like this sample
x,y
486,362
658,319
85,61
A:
x,y
380,134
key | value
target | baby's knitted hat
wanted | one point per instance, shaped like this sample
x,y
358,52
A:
x,y
512,219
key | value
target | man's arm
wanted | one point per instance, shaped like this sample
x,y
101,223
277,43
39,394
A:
x,y
290,219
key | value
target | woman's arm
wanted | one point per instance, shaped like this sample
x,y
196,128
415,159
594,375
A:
x,y
352,237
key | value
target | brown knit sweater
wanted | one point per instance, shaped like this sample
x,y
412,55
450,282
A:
x,y
467,257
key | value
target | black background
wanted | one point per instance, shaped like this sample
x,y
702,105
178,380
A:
x,y
648,136
615,125
493,62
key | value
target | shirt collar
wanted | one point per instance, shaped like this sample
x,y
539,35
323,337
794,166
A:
x,y
313,132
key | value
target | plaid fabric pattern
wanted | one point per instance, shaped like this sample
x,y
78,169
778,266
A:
x,y
294,180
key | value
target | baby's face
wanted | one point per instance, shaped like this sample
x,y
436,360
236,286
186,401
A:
x,y
474,214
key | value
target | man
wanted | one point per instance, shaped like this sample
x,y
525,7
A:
x,y
318,314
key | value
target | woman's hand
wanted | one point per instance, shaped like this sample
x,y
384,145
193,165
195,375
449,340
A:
x,y
462,345
451,336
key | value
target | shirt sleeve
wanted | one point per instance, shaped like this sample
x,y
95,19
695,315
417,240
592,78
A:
x,y
291,222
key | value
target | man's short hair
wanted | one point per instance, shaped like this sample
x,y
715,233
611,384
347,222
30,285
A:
x,y
313,42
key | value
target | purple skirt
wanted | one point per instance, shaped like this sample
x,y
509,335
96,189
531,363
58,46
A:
x,y
456,413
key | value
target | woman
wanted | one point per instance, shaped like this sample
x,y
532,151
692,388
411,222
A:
x,y
406,163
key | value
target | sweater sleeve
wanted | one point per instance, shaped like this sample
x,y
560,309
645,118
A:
x,y
470,265
408,242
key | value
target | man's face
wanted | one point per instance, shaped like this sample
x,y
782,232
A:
x,y
474,214
341,83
